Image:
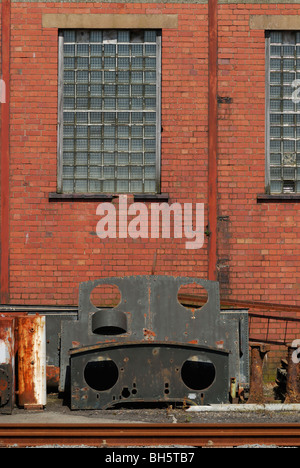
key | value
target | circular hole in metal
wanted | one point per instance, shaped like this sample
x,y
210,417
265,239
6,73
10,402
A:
x,y
109,322
198,373
125,392
101,375
105,295
192,296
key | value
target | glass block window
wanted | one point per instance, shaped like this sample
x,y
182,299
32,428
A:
x,y
283,112
109,111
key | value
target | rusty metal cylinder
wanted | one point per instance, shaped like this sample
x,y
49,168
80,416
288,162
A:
x,y
107,322
32,388
258,352
293,377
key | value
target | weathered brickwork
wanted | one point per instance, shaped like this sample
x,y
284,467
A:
x,y
261,244
53,245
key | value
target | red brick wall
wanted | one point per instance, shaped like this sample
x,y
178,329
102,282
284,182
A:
x,y
53,245
261,241
264,243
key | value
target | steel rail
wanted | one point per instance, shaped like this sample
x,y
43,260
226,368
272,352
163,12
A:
x,y
154,435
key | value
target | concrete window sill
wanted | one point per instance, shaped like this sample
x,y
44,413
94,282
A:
x,y
85,197
280,198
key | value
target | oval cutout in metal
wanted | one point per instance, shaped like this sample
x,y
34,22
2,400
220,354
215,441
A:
x,y
101,375
198,373
192,296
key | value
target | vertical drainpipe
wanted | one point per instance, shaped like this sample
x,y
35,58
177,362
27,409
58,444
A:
x,y
212,136
4,266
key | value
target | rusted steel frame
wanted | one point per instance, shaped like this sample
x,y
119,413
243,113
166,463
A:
x,y
284,328
5,54
258,352
212,136
112,435
293,378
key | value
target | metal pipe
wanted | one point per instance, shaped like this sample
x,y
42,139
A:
x,y
212,136
4,141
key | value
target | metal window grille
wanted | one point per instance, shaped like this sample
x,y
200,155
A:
x,y
283,111
109,111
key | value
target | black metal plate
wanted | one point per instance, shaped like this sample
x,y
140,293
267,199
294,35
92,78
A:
x,y
109,374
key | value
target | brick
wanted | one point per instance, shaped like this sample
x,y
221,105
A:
x,y
263,245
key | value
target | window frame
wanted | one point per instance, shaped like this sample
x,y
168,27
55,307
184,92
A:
x,y
60,119
283,193
267,116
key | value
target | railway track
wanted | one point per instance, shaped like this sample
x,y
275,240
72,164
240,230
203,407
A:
x,y
154,435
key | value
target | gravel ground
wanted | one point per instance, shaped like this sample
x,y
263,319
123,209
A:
x,y
59,411
180,416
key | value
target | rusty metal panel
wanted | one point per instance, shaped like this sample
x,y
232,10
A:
x,y
7,364
237,325
32,361
106,375
53,330
54,317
